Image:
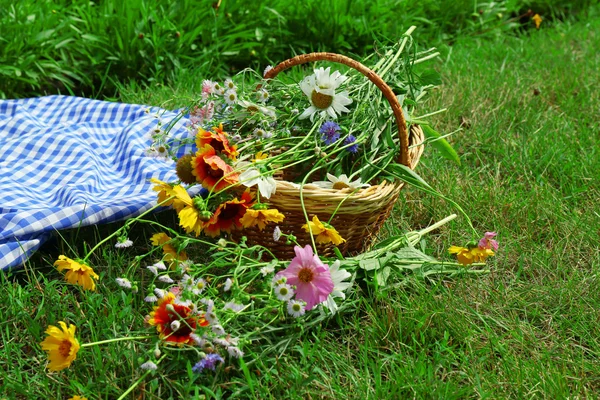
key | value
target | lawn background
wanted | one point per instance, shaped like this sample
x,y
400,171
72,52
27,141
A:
x,y
528,105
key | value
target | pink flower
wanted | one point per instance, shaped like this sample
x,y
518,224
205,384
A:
x,y
487,242
310,276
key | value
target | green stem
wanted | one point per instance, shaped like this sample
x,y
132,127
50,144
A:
x,y
115,340
139,381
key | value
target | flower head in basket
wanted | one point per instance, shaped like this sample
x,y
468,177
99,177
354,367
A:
x,y
341,182
320,90
324,232
211,171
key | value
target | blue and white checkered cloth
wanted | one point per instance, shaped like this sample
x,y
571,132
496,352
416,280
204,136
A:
x,y
67,162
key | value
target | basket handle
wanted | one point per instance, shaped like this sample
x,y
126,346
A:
x,y
372,76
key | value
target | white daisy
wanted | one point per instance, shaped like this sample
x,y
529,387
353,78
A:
x,y
260,133
228,284
124,283
229,84
254,108
296,308
320,90
149,365
159,293
150,299
231,97
266,184
123,243
200,341
235,352
218,330
218,88
341,182
160,265
284,292
262,95
269,269
165,279
233,306
152,269
276,233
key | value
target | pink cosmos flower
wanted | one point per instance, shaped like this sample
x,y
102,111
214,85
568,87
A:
x,y
487,242
310,276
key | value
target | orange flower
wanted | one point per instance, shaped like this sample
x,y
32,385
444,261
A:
x,y
211,171
170,253
217,139
174,322
261,218
228,215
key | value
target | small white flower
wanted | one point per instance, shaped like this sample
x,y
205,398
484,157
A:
x,y
267,69
231,97
296,308
218,330
278,280
269,269
284,292
276,234
200,341
149,365
320,90
175,325
156,352
262,95
221,342
150,299
162,152
124,283
267,186
253,108
125,242
235,352
159,293
217,88
160,265
165,279
211,317
341,182
199,285
295,111
260,133
187,303
233,306
152,269
228,284
229,84
222,242
151,152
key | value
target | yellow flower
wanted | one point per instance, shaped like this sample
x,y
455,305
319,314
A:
x,y
165,191
61,345
325,233
537,20
189,216
77,273
171,255
76,397
260,156
467,256
261,218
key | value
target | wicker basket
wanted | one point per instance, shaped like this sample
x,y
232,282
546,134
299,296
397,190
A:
x,y
361,213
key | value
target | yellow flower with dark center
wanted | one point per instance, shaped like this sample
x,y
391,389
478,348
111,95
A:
x,y
261,218
537,20
61,345
324,232
170,252
77,273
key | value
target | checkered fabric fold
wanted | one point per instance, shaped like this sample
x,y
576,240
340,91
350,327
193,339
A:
x,y
67,162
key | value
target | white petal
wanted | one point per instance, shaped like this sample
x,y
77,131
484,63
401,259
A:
x,y
309,112
250,177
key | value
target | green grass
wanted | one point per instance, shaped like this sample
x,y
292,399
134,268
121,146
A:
x,y
529,329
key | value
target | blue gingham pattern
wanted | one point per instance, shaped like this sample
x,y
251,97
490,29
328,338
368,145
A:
x,y
67,162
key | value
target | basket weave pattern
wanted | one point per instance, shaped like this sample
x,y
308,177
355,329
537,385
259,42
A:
x,y
362,213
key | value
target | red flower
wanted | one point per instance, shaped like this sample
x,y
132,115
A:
x,y
177,324
217,139
211,171
228,215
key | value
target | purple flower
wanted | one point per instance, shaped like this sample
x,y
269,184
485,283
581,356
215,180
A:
x,y
330,131
488,242
351,139
210,362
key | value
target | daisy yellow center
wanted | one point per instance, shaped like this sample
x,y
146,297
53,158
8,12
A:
x,y
283,291
340,185
252,109
306,275
296,307
320,100
65,348
162,149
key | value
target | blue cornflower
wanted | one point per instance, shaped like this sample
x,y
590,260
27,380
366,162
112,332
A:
x,y
330,131
210,362
351,139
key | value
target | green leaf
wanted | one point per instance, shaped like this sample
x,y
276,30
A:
x,y
430,77
441,144
382,276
